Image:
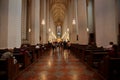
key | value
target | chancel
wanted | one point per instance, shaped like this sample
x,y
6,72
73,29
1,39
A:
x,y
59,39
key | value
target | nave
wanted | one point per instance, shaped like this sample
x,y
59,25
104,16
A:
x,y
59,64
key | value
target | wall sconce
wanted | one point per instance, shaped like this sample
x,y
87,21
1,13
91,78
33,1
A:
x,y
87,29
29,30
67,29
49,30
73,22
43,22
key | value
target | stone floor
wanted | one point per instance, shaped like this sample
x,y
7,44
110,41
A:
x,y
58,65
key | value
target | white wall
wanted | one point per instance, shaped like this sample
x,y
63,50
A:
x,y
105,22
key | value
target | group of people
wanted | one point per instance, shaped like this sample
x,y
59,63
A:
x,y
65,45
56,44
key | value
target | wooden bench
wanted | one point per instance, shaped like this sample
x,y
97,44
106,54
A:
x,y
33,53
3,51
23,59
87,52
110,68
77,50
95,57
8,70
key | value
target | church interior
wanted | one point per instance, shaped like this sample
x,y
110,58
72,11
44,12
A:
x,y
59,39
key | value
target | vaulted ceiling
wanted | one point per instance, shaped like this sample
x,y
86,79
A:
x,y
58,9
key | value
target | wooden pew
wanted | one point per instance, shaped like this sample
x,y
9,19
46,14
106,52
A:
x,y
95,58
33,53
87,52
3,51
23,59
81,49
77,50
110,68
37,51
8,70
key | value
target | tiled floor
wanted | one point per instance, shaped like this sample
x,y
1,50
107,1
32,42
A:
x,y
58,65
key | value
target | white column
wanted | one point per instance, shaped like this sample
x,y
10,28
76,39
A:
x,y
23,24
76,15
37,21
3,23
48,20
118,7
32,23
43,21
90,16
105,22
44,26
14,23
73,26
82,22
69,20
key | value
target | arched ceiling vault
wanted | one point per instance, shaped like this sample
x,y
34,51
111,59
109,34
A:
x,y
58,9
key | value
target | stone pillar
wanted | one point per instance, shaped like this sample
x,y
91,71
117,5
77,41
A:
x,y
29,22
69,20
90,16
48,20
3,23
82,22
24,22
37,21
45,25
34,18
14,23
105,22
118,7
43,21
72,26
32,24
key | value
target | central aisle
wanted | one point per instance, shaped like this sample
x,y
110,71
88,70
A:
x,y
58,65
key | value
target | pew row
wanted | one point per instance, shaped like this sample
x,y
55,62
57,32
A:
x,y
8,70
110,68
24,60
95,57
